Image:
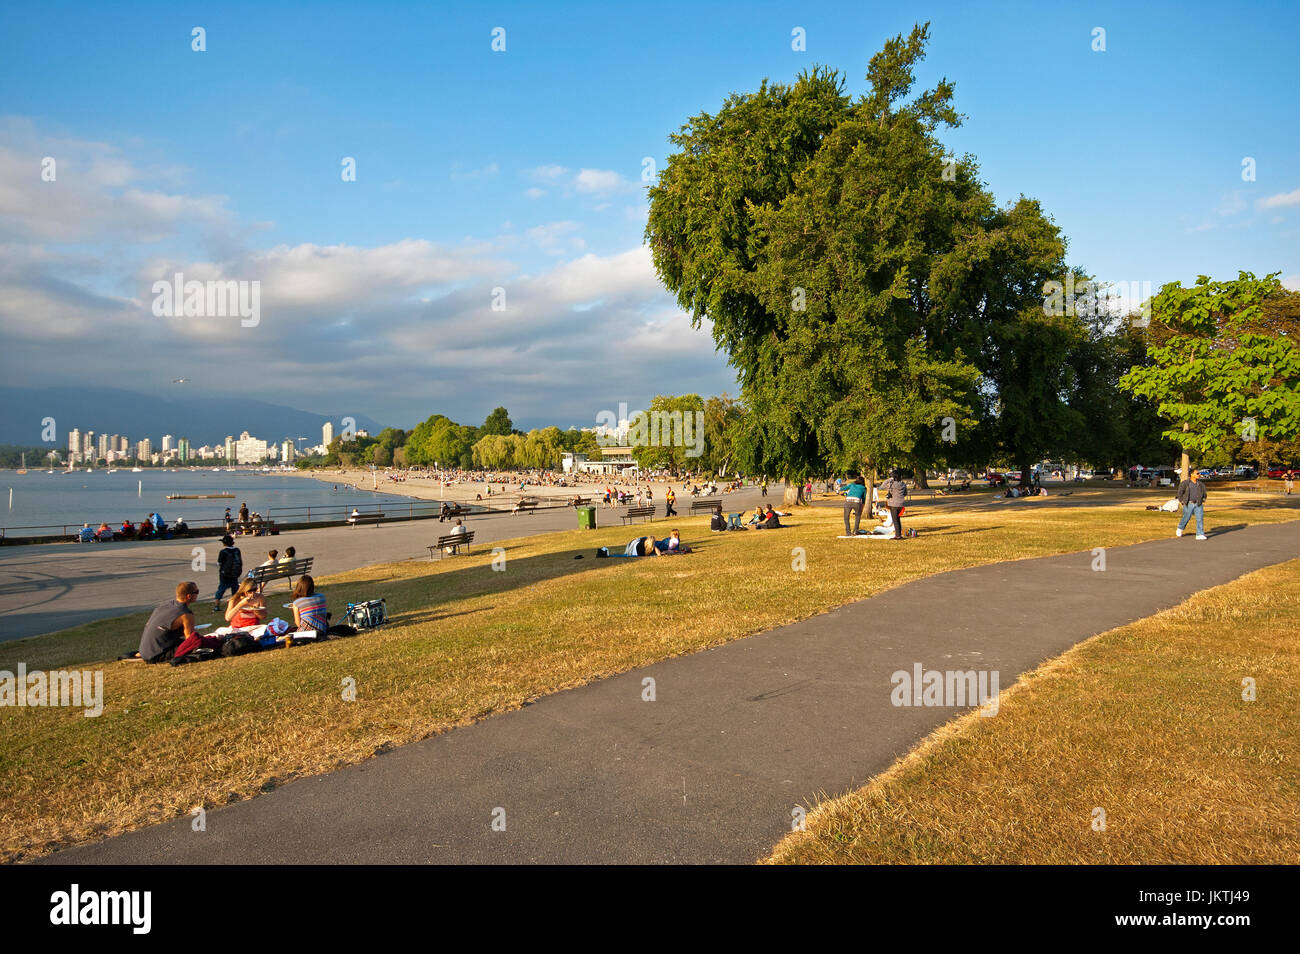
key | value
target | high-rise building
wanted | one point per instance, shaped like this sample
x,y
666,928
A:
x,y
183,449
102,447
74,445
249,450
88,445
230,449
167,443
144,449
327,432
287,452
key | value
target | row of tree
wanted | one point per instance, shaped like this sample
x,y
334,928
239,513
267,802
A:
x,y
882,310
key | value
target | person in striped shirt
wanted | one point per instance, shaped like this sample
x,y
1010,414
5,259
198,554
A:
x,y
308,606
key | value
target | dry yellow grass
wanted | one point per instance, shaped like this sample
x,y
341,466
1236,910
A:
x,y
466,642
1146,723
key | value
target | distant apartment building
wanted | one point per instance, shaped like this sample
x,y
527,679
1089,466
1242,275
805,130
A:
x,y
287,452
102,447
74,445
183,449
88,445
168,443
327,433
230,448
249,450
144,450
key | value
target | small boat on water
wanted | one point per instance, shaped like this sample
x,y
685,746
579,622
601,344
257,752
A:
x,y
137,470
200,496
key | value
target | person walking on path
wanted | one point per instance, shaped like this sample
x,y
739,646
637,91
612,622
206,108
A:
x,y
1191,494
765,488
1290,482
894,490
855,496
669,500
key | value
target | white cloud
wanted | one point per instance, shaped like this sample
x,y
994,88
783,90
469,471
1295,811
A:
x,y
1280,200
599,181
534,192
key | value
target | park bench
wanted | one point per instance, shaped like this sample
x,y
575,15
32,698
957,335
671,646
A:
x,y
632,513
707,505
282,570
581,501
359,519
453,542
525,505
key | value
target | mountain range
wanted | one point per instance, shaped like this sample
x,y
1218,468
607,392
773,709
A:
x,y
202,419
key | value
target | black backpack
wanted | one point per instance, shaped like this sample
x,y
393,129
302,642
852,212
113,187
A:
x,y
238,645
234,568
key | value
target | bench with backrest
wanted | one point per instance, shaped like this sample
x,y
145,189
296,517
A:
x,y
634,513
525,505
707,505
280,570
359,519
452,542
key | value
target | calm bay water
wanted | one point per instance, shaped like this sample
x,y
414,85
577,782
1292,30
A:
x,y
41,498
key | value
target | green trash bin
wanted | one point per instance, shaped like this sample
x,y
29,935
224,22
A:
x,y
586,518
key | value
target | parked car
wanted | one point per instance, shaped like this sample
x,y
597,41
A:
x,y
1278,472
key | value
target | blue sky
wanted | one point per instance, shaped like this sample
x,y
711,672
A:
x,y
522,170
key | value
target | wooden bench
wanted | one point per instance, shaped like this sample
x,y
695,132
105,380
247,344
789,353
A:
x,y
581,501
280,570
633,513
525,505
705,506
452,541
359,519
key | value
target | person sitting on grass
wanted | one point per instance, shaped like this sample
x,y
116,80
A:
x,y
308,607
170,625
734,522
771,521
717,522
247,608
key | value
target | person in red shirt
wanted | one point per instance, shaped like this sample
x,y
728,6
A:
x,y
247,608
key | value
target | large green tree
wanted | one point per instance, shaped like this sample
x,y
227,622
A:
x,y
855,275
1222,364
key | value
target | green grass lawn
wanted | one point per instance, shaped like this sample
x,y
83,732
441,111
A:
x,y
468,641
1145,723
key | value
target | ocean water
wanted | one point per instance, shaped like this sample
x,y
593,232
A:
x,y
50,501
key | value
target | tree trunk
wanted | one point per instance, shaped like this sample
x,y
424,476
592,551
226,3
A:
x,y
921,480
793,496
1185,465
870,474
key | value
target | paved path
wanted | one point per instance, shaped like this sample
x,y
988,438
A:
x,y
738,736
48,587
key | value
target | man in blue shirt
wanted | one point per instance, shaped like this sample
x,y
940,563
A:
x,y
855,496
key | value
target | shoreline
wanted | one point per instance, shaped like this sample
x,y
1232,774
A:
x,y
429,489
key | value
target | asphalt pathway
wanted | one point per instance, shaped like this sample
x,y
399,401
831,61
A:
x,y
737,741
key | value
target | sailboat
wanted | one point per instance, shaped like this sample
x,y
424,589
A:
x,y
23,468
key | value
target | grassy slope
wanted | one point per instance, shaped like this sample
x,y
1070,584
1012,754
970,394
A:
x,y
467,642
1146,722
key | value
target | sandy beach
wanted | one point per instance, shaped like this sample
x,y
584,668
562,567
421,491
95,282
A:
x,y
505,487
